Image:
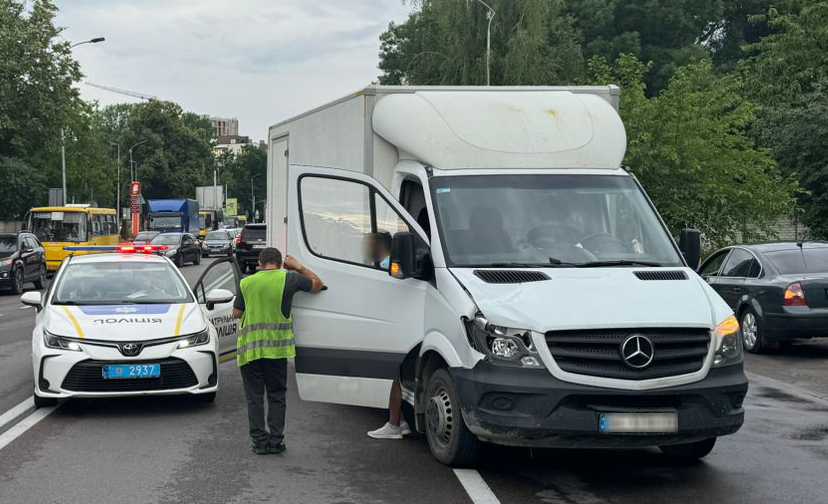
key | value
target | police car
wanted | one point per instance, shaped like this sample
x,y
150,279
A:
x,y
125,323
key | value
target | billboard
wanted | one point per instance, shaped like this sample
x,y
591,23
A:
x,y
231,207
210,197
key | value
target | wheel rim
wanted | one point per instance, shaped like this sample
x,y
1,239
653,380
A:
x,y
440,417
750,331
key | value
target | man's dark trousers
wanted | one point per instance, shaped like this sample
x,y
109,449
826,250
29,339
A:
x,y
258,375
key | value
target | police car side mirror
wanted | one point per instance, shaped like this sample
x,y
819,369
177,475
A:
x,y
32,298
218,296
410,257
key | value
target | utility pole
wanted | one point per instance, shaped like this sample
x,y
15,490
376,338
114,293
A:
x,y
118,182
253,201
63,164
132,172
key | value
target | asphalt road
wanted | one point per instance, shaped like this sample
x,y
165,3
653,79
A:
x,y
174,450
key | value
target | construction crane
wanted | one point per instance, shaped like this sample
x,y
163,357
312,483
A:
x,y
125,92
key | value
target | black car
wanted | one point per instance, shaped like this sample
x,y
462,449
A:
x,y
22,259
145,237
181,247
249,244
779,291
218,243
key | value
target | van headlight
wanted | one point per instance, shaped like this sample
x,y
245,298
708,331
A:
x,y
728,343
197,339
503,345
59,342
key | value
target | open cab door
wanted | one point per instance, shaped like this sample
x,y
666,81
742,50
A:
x,y
216,290
352,338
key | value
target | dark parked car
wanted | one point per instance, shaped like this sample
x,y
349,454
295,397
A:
x,y
249,243
145,237
22,259
779,291
182,247
218,243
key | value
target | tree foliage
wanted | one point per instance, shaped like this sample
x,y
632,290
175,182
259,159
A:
x,y
690,149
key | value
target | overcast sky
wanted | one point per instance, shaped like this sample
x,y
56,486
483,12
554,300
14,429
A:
x,y
258,60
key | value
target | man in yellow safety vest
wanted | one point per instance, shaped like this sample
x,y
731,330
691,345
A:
x,y
266,342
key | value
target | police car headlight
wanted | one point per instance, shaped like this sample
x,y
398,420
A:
x,y
503,345
59,342
196,339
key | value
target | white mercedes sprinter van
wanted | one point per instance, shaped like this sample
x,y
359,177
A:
x,y
486,247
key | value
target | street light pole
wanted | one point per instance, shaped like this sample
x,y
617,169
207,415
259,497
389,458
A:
x,y
489,15
132,172
62,134
118,178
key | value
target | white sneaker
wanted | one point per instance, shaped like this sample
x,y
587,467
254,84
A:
x,y
405,430
387,431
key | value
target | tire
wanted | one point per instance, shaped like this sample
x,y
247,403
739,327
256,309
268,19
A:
x,y
40,282
208,398
179,261
44,402
691,451
205,254
197,259
17,282
450,440
752,333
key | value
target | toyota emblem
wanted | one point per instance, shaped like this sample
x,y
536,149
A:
x,y
131,349
637,351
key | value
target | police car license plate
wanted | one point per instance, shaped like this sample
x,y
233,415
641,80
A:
x,y
131,371
637,423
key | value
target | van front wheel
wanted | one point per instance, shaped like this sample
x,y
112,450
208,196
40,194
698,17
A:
x,y
450,440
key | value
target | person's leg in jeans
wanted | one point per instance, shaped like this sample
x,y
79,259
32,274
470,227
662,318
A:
x,y
276,384
254,385
396,427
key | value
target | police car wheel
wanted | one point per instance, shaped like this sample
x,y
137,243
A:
x,y
44,402
207,398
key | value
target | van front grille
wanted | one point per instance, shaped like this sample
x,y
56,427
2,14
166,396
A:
x,y
598,352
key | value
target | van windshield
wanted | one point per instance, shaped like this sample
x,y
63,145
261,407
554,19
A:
x,y
548,220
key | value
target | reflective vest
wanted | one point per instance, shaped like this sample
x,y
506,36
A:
x,y
264,333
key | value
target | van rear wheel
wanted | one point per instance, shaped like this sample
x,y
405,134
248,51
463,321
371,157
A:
x,y
690,451
450,440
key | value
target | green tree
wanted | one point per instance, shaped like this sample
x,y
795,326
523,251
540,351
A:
x,y
532,42
665,33
37,99
787,73
244,173
690,149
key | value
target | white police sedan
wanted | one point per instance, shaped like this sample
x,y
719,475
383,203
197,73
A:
x,y
127,323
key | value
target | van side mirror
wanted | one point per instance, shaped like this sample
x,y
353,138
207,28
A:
x,y
410,257
690,246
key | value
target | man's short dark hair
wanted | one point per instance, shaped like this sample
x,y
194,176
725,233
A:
x,y
270,255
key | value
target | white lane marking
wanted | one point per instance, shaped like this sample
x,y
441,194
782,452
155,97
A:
x,y
22,426
24,307
16,411
793,390
479,492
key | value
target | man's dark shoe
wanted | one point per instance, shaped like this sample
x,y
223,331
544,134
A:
x,y
260,450
276,449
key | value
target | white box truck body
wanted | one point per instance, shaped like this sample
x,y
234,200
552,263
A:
x,y
485,247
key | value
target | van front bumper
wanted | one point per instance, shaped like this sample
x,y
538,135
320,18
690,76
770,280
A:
x,y
523,407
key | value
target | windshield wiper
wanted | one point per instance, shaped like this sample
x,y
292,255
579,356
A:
x,y
621,262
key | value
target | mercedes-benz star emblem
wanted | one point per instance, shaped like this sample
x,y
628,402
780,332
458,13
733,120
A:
x,y
637,351
131,349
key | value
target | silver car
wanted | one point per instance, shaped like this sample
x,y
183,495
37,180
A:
x,y
218,243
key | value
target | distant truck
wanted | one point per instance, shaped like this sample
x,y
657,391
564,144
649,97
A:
x,y
173,215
